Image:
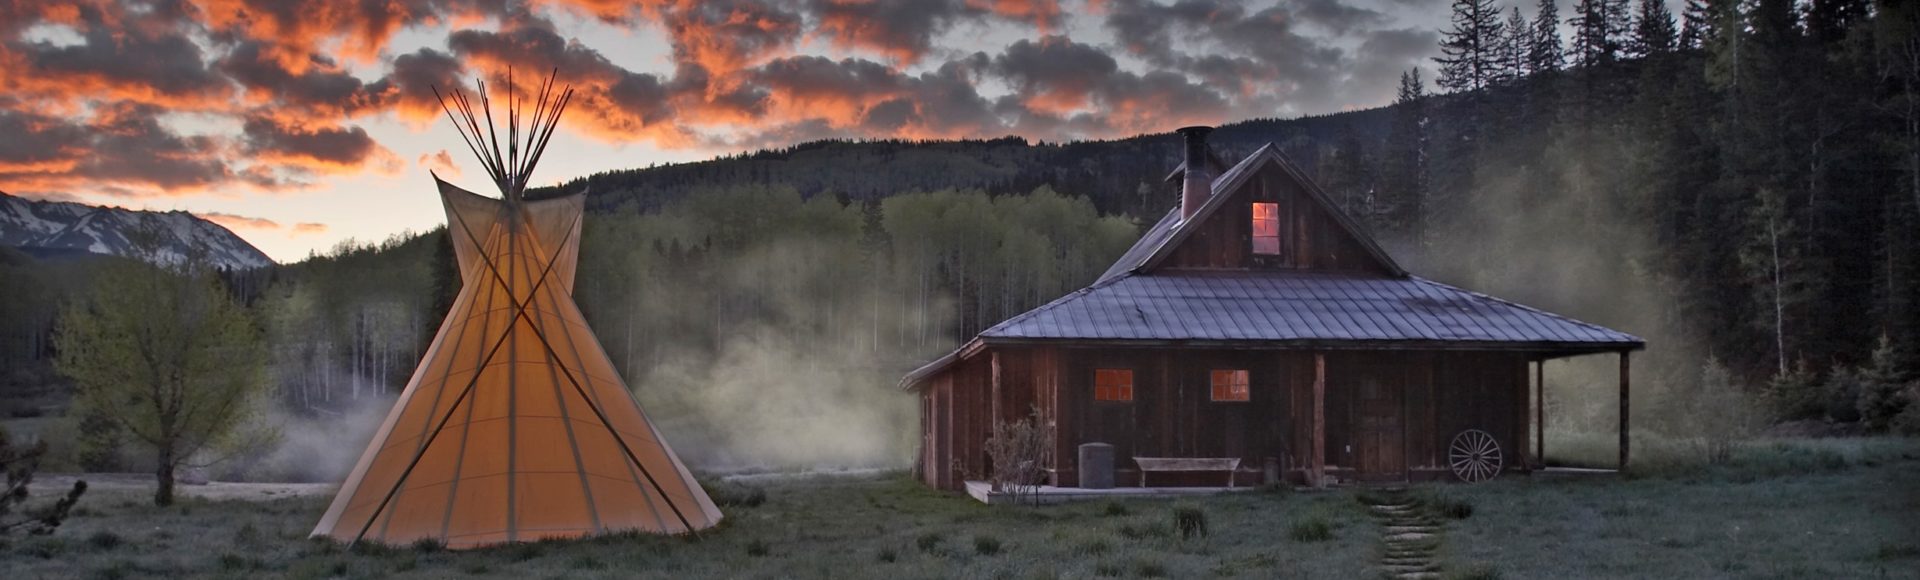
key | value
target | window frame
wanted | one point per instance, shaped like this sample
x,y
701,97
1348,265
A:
x,y
1253,229
1101,388
1241,378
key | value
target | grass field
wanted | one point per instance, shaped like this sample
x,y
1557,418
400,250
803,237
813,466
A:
x,y
1783,510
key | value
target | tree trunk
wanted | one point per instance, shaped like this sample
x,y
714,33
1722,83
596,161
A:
x,y
163,477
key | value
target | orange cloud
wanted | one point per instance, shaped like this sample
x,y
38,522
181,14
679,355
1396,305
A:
x,y
305,228
232,221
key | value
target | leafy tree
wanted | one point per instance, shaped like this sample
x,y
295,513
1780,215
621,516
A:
x,y
168,355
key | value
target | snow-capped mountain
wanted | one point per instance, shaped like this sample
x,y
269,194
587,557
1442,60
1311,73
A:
x,y
68,226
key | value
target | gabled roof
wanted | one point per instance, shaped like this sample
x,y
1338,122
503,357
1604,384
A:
x,y
1231,180
1132,304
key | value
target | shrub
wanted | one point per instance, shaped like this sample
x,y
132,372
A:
x,y
1719,417
1114,509
1108,570
889,555
986,545
1019,453
1796,394
1190,520
1843,394
1311,529
758,547
1908,421
1881,392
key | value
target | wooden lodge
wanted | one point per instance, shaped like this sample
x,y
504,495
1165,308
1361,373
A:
x,y
1256,322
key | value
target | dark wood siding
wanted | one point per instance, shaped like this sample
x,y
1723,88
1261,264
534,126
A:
x,y
1311,238
1173,414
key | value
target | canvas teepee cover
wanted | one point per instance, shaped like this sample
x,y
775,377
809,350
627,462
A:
x,y
515,426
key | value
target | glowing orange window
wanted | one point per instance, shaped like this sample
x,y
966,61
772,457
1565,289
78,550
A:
x,y
1112,385
1266,228
1230,385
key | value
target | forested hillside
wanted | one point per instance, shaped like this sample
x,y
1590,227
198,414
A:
x,y
1737,183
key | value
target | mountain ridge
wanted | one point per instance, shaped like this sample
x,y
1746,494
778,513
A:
x,y
45,227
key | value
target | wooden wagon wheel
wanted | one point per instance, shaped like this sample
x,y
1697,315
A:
x,y
1475,456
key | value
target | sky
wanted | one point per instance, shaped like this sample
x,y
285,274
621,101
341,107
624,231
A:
x,y
300,124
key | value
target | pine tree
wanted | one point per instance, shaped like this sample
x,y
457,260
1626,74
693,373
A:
x,y
1590,34
1698,27
1470,50
1403,181
1653,32
1545,51
1514,47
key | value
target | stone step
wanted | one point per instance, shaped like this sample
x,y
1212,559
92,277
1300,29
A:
x,y
1406,561
1417,576
1414,528
1428,567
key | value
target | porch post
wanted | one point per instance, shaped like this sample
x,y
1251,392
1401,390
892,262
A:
x,y
1319,466
1540,412
1624,373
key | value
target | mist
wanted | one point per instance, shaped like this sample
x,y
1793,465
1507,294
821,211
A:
x,y
1576,249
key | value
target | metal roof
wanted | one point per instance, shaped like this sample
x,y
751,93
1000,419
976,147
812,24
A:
x,y
1301,307
1136,303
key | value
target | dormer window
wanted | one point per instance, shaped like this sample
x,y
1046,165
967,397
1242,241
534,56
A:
x,y
1266,228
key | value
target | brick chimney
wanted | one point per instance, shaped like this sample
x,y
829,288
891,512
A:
x,y
1198,182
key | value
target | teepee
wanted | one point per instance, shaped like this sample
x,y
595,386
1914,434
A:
x,y
515,427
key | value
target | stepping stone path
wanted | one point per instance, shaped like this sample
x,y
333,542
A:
x,y
1411,537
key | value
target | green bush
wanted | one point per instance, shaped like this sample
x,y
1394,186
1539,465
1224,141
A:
x,y
1114,509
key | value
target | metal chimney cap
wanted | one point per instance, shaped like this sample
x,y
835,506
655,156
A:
x,y
1195,131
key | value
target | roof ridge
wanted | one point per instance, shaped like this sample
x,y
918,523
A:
x,y
1575,321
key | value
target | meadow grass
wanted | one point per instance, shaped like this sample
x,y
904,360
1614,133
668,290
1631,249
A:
x,y
1781,509
840,527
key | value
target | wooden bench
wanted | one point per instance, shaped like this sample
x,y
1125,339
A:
x,y
1227,464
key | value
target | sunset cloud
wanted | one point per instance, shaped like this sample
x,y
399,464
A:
x,y
238,222
175,97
